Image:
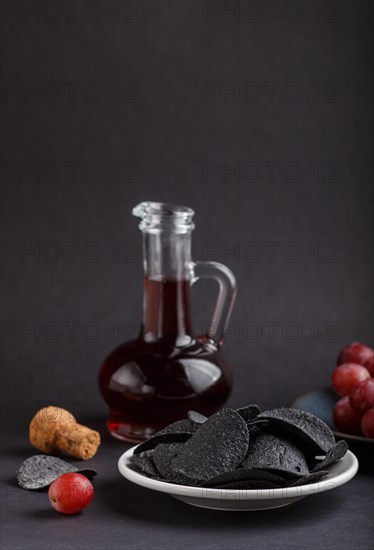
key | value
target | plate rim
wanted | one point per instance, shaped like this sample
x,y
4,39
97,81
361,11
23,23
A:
x,y
351,468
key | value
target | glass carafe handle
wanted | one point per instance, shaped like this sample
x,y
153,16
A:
x,y
226,296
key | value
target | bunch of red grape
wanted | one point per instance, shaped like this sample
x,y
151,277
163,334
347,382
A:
x,y
353,380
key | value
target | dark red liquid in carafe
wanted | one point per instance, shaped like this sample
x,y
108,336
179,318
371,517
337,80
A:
x,y
157,378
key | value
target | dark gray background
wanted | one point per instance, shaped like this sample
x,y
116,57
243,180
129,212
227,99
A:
x,y
150,134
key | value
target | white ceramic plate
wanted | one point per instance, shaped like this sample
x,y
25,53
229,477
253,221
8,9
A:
x,y
242,499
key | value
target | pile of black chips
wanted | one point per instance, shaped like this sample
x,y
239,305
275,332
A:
x,y
241,449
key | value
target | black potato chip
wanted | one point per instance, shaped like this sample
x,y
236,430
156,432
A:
x,y
178,431
288,476
146,465
174,437
310,432
196,417
163,455
334,454
241,475
219,445
38,471
310,478
256,427
271,451
180,426
249,413
252,485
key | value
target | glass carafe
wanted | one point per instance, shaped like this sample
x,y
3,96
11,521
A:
x,y
167,370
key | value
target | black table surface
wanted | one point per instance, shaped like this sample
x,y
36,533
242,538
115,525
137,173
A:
x,y
124,515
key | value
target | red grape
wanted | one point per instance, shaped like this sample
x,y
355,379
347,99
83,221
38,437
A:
x,y
370,365
70,493
362,396
367,423
346,418
355,353
346,377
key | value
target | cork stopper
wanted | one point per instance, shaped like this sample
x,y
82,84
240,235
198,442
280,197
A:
x,y
55,430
